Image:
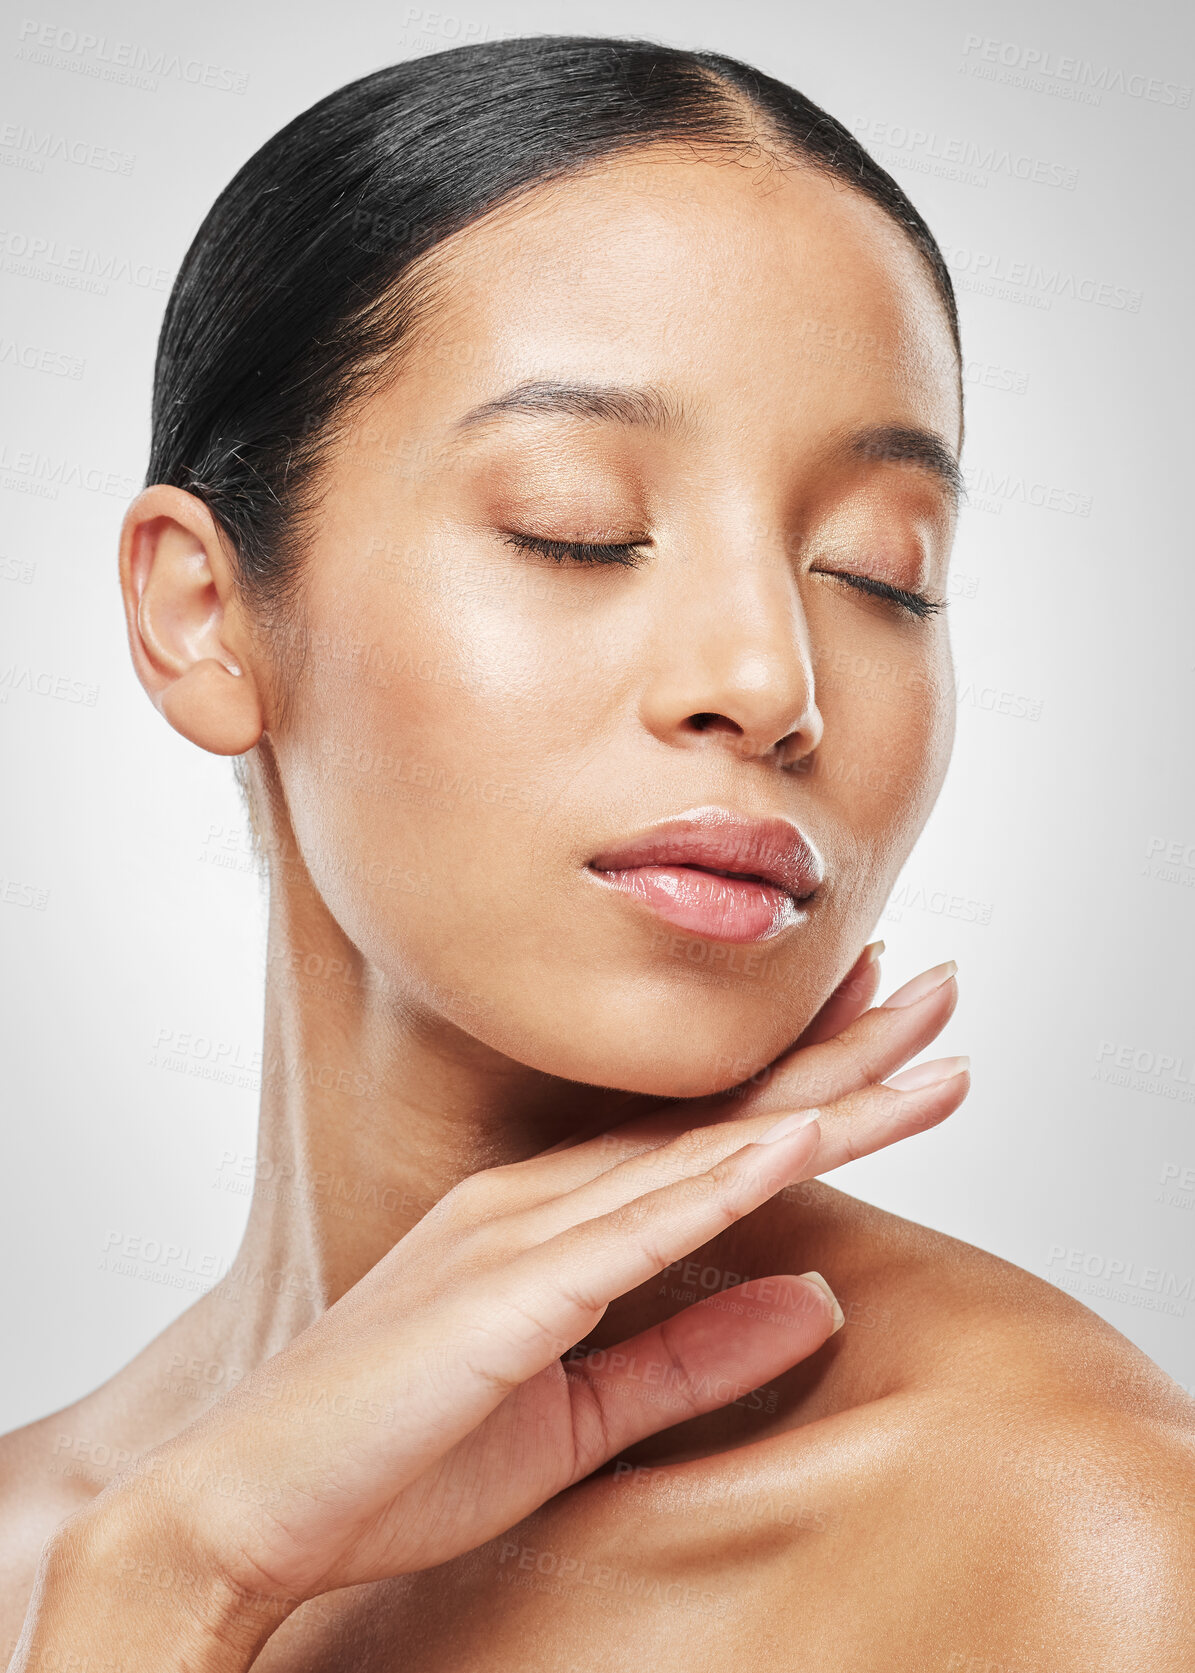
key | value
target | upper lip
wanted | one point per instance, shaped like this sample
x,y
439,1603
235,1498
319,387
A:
x,y
771,850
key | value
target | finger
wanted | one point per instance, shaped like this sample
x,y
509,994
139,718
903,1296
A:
x,y
531,1308
707,1356
855,1125
849,1000
870,1120
850,1127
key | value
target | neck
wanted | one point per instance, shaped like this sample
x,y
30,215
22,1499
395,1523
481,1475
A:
x,y
373,1106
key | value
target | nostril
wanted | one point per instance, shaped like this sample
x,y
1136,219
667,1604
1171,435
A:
x,y
705,722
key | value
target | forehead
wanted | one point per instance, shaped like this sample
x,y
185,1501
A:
x,y
743,286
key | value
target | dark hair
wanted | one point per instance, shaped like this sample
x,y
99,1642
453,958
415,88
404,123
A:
x,y
288,305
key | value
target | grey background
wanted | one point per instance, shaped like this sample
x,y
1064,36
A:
x,y
1049,149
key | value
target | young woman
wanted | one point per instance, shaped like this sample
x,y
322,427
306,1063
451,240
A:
x,y
553,482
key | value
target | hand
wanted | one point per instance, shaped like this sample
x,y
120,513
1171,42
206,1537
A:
x,y
429,1409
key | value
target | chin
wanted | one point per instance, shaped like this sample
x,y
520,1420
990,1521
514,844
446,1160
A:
x,y
674,1080
686,1044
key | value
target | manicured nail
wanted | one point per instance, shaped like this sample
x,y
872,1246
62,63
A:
x,y
922,1075
921,986
816,1279
873,951
789,1124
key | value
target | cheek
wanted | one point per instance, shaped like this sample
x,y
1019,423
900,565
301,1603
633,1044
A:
x,y
889,710
887,699
428,743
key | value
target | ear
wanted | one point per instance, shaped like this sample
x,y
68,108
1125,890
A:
x,y
188,634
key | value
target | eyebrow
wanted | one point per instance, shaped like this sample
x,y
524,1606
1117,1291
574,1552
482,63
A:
x,y
623,404
906,444
896,444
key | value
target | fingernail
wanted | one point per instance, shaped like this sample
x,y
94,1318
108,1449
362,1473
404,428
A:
x,y
816,1279
789,1124
920,986
922,1075
873,951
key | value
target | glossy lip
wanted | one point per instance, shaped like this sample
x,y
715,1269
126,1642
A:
x,y
767,870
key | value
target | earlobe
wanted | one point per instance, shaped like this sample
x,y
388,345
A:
x,y
187,631
215,707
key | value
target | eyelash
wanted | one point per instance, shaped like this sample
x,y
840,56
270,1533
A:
x,y
625,554
917,604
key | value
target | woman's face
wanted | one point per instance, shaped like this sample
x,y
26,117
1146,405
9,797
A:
x,y
477,717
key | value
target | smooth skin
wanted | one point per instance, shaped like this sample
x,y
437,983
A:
x,y
474,1393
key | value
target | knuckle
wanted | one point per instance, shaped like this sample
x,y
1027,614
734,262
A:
x,y
628,1217
876,1103
852,1148
887,1102
824,1077
735,1180
478,1197
466,1194
857,1060
713,1183
688,1146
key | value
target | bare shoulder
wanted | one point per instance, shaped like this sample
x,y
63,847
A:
x,y
48,1470
1029,1487
929,1310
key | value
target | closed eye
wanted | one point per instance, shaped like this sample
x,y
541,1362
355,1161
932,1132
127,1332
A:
x,y
625,552
917,604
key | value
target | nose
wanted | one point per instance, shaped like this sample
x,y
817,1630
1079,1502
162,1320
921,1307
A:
x,y
733,665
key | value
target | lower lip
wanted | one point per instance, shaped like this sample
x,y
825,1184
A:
x,y
718,908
